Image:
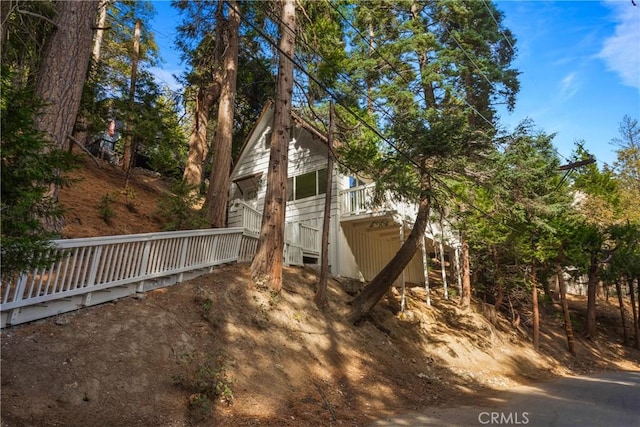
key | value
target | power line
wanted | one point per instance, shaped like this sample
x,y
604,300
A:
x,y
404,78
346,79
513,50
356,116
373,47
331,94
399,74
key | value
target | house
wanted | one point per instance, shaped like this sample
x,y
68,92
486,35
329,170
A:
x,y
362,238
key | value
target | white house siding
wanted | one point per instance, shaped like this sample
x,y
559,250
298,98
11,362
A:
x,y
370,252
306,154
352,253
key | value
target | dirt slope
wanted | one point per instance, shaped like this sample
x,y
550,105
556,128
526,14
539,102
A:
x,y
276,360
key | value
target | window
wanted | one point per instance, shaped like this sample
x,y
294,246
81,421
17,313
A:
x,y
307,185
354,181
249,186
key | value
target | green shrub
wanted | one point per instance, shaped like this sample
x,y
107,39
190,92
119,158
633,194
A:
x,y
105,208
30,167
205,379
129,195
176,210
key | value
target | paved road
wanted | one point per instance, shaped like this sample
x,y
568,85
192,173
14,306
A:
x,y
607,400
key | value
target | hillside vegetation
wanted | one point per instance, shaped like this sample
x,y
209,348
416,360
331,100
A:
x,y
217,350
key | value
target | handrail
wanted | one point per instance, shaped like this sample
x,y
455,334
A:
x,y
309,238
357,200
99,263
251,219
360,200
297,234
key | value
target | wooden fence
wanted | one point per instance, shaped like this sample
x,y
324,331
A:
x,y
100,269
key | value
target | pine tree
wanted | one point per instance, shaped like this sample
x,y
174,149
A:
x,y
217,195
266,267
30,165
435,70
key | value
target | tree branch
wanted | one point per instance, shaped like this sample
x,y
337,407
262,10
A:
x,y
72,139
37,15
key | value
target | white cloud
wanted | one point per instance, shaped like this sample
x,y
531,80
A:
x,y
569,85
621,51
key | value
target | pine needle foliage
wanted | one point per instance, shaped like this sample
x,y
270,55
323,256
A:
x,y
30,166
177,211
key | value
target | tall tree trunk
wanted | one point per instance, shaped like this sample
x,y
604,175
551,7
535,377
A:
x,y
498,279
443,265
536,311
198,146
371,294
217,195
267,264
425,264
457,269
208,94
61,77
127,159
466,274
568,327
634,312
6,8
320,297
590,324
423,63
63,68
80,130
623,320
99,36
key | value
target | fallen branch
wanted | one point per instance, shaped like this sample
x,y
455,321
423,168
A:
x,y
72,139
326,402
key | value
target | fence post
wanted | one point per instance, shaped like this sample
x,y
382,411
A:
x,y
183,257
17,296
144,264
94,266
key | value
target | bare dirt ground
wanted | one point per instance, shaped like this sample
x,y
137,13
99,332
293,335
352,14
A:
x,y
269,360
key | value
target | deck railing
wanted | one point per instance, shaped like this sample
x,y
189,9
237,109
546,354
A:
x,y
357,200
251,219
309,238
300,238
96,264
360,200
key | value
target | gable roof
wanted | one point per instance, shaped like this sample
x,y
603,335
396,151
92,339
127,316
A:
x,y
267,110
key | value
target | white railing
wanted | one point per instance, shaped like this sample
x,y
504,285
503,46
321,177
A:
x,y
102,263
357,200
309,238
251,219
299,238
293,255
360,200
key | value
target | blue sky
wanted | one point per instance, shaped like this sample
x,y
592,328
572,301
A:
x,y
579,64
